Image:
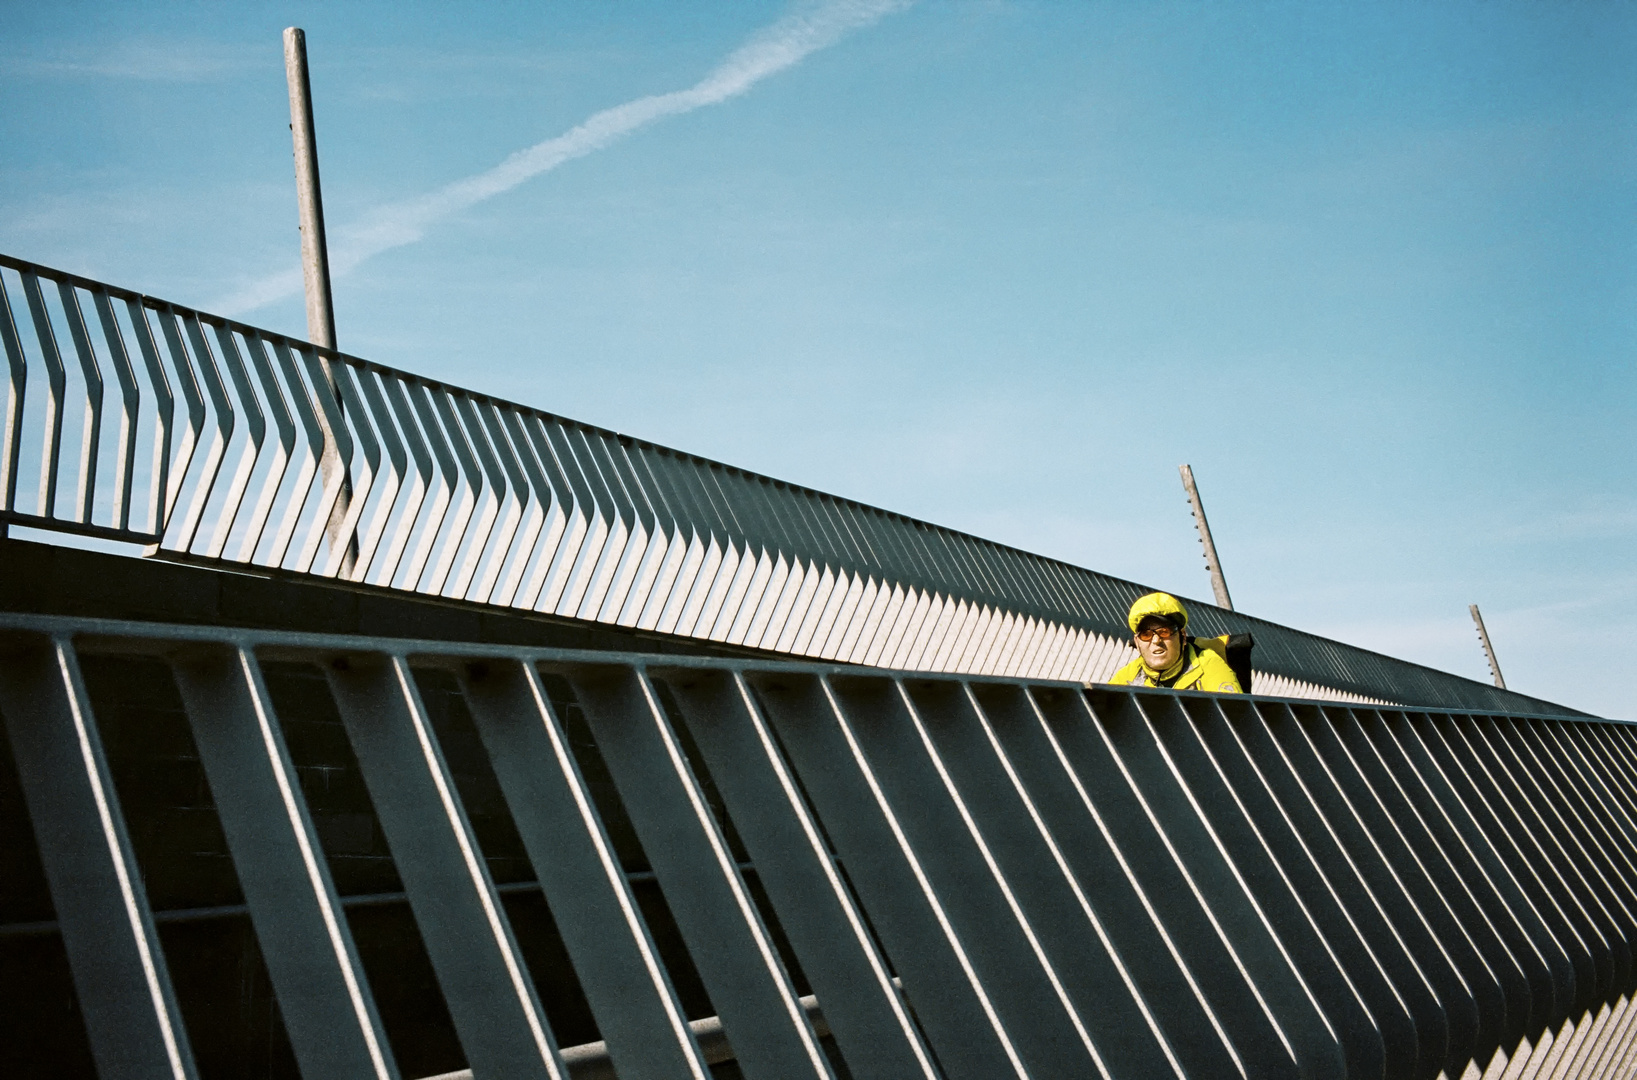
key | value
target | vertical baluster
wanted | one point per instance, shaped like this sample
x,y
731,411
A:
x,y
284,428
495,492
164,415
10,456
470,492
130,402
337,455
506,532
448,478
582,511
301,493
392,480
211,376
56,389
537,499
345,550
188,382
91,371
255,422
420,479
534,447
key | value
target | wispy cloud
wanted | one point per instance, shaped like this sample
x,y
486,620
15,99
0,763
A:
x,y
144,60
775,48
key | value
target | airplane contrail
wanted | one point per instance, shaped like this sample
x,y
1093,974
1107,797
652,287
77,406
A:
x,y
776,47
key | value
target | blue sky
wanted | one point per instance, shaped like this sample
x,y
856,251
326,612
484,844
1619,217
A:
x,y
1370,268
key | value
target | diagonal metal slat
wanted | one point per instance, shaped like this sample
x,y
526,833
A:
x,y
978,876
730,945
324,998
829,934
614,953
491,998
124,989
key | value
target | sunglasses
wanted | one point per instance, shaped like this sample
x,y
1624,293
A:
x,y
1164,633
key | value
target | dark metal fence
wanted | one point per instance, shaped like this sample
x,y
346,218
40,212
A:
x,y
208,440
872,873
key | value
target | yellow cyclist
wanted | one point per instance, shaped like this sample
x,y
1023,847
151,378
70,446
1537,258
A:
x,y
1167,657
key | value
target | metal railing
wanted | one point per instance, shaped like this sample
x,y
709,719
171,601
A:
x,y
209,440
978,877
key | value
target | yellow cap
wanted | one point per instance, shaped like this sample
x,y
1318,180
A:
x,y
1157,603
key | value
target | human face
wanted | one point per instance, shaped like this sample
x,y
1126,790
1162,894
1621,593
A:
x,y
1159,652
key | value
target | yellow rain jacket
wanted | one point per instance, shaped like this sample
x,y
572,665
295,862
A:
x,y
1203,665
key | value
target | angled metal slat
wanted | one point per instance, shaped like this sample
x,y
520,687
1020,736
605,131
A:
x,y
1498,991
553,501
635,532
490,995
727,939
591,901
1375,966
552,572
121,981
1220,821
1490,836
1532,850
978,876
662,549
572,576
324,998
1461,872
1235,970
957,730
697,525
954,1003
830,935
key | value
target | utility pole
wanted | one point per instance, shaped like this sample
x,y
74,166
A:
x,y
1489,650
1219,584
315,255
315,270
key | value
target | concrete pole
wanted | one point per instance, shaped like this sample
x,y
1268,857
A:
x,y
315,255
1489,650
1219,584
315,271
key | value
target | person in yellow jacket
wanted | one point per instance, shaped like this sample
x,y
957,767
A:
x,y
1167,656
